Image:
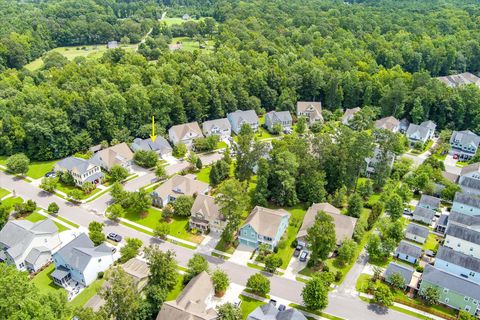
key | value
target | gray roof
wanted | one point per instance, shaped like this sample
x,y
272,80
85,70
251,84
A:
x,y
279,116
443,220
78,252
60,273
222,124
474,167
415,128
418,230
460,79
269,311
470,183
160,144
35,254
71,163
464,233
429,124
239,116
464,219
451,282
465,137
468,199
429,200
409,249
460,259
405,271
95,176
420,212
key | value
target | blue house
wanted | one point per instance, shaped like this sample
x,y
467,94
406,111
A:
x,y
264,226
466,203
238,118
458,263
408,252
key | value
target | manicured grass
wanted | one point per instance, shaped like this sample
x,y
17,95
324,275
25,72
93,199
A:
x,y
248,305
11,202
3,192
263,134
37,170
35,216
66,189
191,45
151,219
44,282
204,174
136,228
152,187
221,145
400,297
222,246
461,164
431,243
254,266
410,313
87,293
179,20
172,295
97,194
362,282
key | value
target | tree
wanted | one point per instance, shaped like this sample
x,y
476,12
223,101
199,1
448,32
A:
x,y
464,315
192,159
180,150
355,205
160,171
248,152
162,230
219,172
196,265
88,187
162,266
259,284
430,295
394,206
182,206
115,211
277,128
145,159
321,236
199,163
118,173
396,280
167,212
66,178
272,262
18,164
206,144
374,247
377,210
339,197
301,125
315,294
220,282
228,311
96,232
382,294
130,249
139,201
347,251
53,208
261,194
48,185
121,297
75,195
366,189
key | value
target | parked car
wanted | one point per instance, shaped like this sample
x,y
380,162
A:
x,y
237,303
114,237
272,301
407,212
282,307
50,174
297,251
455,156
303,256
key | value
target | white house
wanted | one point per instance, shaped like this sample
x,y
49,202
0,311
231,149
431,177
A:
x,y
27,245
219,127
81,261
81,170
185,133
463,239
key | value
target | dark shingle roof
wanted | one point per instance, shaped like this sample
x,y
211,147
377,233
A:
x,y
465,219
471,183
465,138
429,200
420,212
443,220
464,233
413,129
458,258
409,249
468,199
405,271
418,230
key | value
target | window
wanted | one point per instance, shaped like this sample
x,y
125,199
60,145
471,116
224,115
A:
x,y
466,298
446,300
472,274
445,290
467,308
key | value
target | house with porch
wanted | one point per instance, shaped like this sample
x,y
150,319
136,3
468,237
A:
x,y
80,261
311,110
185,133
455,292
421,132
466,203
218,127
408,252
28,246
284,118
264,225
463,239
138,270
119,154
464,144
442,223
406,272
240,117
81,170
205,215
160,146
417,233
349,114
388,123
177,186
458,263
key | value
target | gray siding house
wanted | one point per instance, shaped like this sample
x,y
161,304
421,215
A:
x,y
417,233
405,271
464,144
238,118
408,252
160,146
284,118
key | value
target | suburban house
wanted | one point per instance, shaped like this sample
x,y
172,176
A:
x,y
206,216
388,123
469,179
463,239
218,127
344,225
405,271
422,132
138,270
240,117
177,186
460,79
264,226
284,118
417,233
311,110
349,114
455,292
194,303
376,159
27,245
119,154
466,203
269,311
80,261
81,170
185,133
408,252
429,202
458,263
464,144
160,146
442,223
471,222
423,215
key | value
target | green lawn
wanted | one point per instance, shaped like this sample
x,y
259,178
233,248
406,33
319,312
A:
x,y
204,174
44,282
150,220
248,305
221,145
222,246
263,134
66,189
11,202
191,45
152,187
362,282
172,295
3,192
87,293
37,170
35,216
431,243
179,20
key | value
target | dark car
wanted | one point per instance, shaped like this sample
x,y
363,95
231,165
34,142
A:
x,y
273,302
303,256
114,237
50,174
297,251
282,307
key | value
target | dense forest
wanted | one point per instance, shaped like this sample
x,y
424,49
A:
x,y
267,55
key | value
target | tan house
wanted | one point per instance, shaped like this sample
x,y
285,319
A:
x,y
185,133
388,123
205,215
311,110
138,270
344,225
349,114
194,303
119,154
178,186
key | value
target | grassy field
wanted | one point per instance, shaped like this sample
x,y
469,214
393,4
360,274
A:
x,y
37,170
35,216
3,192
172,295
44,282
191,45
179,20
66,189
248,305
362,282
11,202
431,243
204,174
87,293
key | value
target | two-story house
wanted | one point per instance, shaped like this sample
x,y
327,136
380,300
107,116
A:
x,y
466,220
466,203
217,127
119,154
284,118
177,186
160,146
464,144
422,132
80,261
417,233
463,239
81,170
28,246
458,263
185,133
429,202
311,110
408,252
264,226
205,215
379,157
349,114
455,292
469,179
388,123
423,215
240,117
